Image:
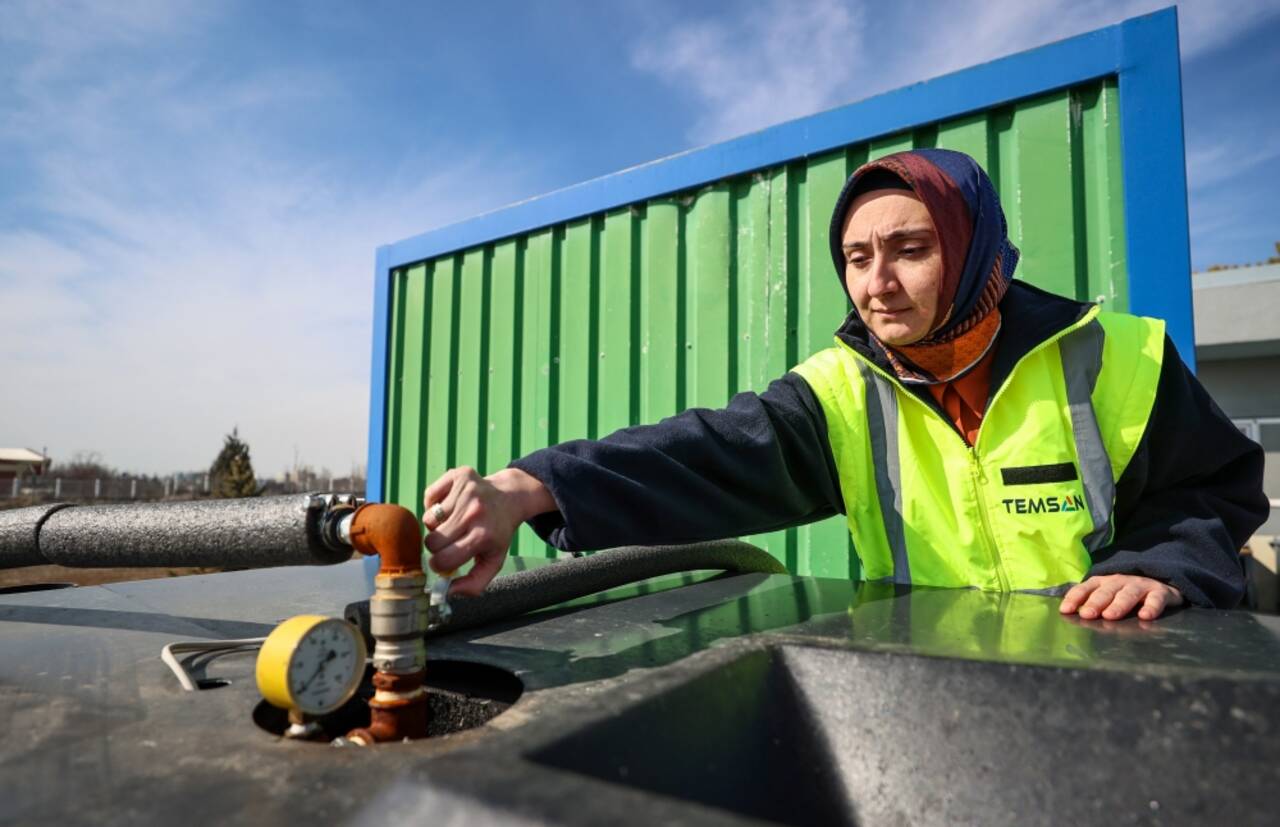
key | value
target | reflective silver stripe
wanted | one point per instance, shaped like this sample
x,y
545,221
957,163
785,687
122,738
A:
x,y
882,421
1081,352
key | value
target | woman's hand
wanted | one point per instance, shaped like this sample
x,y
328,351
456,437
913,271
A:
x,y
470,517
1113,596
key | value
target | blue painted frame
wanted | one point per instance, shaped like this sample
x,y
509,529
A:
x,y
374,467
1142,53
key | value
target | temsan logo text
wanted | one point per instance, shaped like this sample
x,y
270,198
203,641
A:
x,y
1043,505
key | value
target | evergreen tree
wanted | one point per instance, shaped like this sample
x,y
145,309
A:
x,y
232,472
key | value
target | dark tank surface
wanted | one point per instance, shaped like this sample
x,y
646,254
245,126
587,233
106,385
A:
x,y
696,698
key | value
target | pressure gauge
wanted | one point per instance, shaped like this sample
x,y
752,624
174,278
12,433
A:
x,y
311,664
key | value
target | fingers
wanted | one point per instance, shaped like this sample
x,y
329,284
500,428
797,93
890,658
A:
x,y
1099,600
465,514
458,506
1125,599
477,541
1153,606
437,490
468,518
448,553
432,516
438,543
441,497
1097,596
474,582
1158,600
1114,596
1077,595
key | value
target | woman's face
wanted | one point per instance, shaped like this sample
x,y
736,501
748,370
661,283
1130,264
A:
x,y
893,265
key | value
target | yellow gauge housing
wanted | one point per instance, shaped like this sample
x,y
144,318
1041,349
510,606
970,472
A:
x,y
281,648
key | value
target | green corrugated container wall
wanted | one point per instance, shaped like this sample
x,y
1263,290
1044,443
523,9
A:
x,y
625,317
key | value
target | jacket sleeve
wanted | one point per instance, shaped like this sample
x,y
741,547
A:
x,y
1189,498
759,464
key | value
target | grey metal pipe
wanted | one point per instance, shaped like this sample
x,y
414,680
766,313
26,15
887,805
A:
x,y
526,591
20,533
253,532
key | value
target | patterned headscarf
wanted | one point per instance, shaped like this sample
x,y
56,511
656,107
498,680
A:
x,y
977,258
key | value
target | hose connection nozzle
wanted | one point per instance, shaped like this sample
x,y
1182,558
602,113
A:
x,y
438,611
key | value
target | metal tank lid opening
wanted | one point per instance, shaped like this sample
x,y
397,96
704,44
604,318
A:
x,y
461,695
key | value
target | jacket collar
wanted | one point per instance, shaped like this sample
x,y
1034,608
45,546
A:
x,y
1029,315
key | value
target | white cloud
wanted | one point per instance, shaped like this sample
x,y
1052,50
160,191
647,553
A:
x,y
1205,25
178,272
1228,157
151,339
780,60
773,63
180,268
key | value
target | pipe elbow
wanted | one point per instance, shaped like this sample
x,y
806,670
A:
x,y
390,531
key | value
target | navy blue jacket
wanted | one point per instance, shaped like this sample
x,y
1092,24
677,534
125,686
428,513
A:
x,y
1186,503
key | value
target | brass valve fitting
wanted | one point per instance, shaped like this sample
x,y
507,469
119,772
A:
x,y
397,621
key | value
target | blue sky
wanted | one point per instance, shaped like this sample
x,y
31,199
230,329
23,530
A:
x,y
191,192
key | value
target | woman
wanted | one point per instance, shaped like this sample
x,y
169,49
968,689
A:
x,y
976,431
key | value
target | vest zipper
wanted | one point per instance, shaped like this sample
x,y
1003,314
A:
x,y
975,464
979,480
1090,315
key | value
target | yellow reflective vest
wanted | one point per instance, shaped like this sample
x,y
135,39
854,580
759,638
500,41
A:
x,y
1024,507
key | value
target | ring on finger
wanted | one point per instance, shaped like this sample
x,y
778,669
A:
x,y
437,513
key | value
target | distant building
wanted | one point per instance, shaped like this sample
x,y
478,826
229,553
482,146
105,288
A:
x,y
1238,349
20,462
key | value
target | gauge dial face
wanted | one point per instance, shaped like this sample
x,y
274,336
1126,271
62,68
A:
x,y
326,667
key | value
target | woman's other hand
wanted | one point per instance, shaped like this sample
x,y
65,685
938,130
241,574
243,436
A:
x,y
470,517
1113,596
